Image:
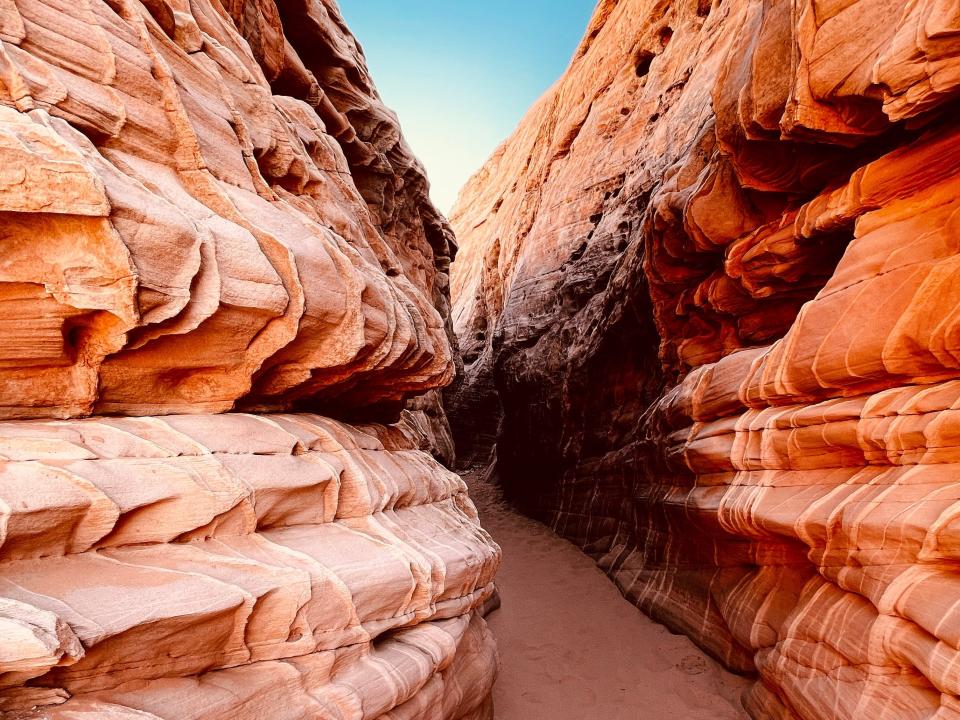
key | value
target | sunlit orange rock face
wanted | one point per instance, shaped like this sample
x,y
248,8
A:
x,y
206,209
199,216
711,290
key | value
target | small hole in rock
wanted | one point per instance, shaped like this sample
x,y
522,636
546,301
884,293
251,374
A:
x,y
666,34
704,7
643,62
578,253
73,336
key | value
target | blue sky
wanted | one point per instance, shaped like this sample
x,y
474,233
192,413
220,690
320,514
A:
x,y
462,73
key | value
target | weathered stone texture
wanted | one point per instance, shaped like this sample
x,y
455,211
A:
x,y
205,207
201,218
712,280
238,566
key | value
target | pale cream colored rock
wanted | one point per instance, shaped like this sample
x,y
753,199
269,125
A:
x,y
429,677
34,641
217,552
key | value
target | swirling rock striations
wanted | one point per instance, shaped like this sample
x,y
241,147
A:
x,y
198,216
238,566
710,290
205,208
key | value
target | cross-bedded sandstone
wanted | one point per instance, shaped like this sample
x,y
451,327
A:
x,y
205,207
709,288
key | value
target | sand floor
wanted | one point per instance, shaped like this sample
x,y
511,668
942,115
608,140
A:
x,y
572,648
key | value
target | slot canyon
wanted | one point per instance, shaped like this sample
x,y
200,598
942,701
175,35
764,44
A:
x,y
690,340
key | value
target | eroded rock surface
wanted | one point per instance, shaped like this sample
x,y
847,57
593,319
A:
x,y
238,566
201,213
205,208
709,287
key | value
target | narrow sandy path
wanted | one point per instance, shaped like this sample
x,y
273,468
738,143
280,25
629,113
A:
x,y
572,648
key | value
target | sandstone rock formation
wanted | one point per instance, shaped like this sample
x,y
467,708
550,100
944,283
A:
x,y
238,566
205,207
710,290
201,212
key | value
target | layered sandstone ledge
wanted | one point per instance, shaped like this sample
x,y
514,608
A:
x,y
238,566
709,289
201,213
205,207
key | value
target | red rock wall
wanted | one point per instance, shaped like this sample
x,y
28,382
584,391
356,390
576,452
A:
x,y
711,283
198,216
205,207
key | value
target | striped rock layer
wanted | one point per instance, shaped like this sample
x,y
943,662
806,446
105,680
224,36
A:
x,y
205,208
201,213
710,289
237,566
